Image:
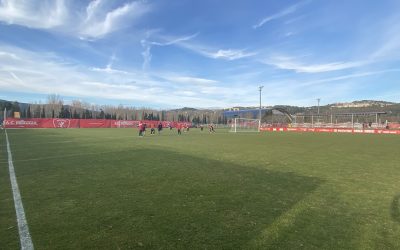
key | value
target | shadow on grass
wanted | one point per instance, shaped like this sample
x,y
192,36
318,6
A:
x,y
157,199
395,208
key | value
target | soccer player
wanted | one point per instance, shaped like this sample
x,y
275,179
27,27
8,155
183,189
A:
x,y
211,128
144,129
159,127
141,128
152,129
179,127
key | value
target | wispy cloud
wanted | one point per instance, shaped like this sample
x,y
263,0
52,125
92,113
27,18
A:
x,y
225,54
291,9
389,47
147,45
345,77
289,63
45,14
98,19
17,78
191,80
229,54
185,42
97,23
31,72
109,68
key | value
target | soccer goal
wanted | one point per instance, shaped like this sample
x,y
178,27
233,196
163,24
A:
x,y
245,125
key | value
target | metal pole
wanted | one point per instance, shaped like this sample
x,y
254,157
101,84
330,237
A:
x,y
312,120
259,122
4,117
235,124
319,99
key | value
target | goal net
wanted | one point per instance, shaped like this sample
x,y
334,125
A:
x,y
245,125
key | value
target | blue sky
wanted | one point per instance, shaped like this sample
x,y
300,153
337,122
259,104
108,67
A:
x,y
176,53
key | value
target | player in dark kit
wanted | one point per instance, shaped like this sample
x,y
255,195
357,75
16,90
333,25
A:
x,y
211,128
159,127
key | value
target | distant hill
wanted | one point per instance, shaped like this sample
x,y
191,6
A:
x,y
191,114
362,104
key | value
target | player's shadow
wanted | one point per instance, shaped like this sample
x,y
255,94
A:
x,y
395,208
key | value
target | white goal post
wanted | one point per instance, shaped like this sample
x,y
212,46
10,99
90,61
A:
x,y
245,125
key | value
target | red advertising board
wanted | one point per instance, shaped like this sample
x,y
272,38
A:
x,y
41,123
60,123
124,124
82,123
394,125
335,130
22,123
94,123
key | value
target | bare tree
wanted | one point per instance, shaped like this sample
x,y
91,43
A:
x,y
55,102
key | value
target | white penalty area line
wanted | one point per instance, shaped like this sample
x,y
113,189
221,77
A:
x,y
23,230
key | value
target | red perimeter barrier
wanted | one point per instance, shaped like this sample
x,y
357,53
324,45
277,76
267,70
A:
x,y
94,123
41,123
61,123
394,125
124,124
334,130
82,123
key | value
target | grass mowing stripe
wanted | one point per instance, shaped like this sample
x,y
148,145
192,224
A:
x,y
23,229
71,155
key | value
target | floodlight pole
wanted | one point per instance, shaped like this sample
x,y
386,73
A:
x,y
4,118
260,89
318,100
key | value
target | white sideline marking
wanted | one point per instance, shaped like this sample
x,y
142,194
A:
x,y
23,230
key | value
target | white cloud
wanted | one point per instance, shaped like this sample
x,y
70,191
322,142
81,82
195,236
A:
x,y
225,54
146,54
147,45
229,54
8,55
191,80
389,45
291,9
345,77
185,93
97,24
30,72
99,18
171,41
290,64
44,14
108,69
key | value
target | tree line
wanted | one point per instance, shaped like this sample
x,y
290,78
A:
x,y
56,108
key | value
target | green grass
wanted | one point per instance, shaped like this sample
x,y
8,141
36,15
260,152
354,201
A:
x,y
110,189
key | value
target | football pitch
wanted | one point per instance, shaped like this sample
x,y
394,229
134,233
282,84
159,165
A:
x,y
110,189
